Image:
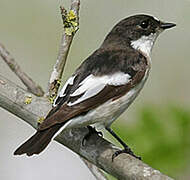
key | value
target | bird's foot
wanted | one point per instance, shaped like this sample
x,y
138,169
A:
x,y
125,150
91,131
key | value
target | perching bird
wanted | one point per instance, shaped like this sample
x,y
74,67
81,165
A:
x,y
104,85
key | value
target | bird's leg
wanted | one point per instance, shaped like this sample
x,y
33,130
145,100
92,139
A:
x,y
126,148
91,130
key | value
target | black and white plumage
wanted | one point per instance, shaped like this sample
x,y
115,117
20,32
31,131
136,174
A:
x,y
105,84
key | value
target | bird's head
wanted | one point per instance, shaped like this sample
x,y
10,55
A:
x,y
138,31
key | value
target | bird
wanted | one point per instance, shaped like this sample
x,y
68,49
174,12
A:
x,y
104,85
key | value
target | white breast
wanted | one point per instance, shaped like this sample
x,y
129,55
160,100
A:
x,y
145,44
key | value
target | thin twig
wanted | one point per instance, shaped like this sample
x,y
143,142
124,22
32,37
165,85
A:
x,y
27,81
71,23
96,150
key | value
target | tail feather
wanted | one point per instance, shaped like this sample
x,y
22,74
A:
x,y
38,142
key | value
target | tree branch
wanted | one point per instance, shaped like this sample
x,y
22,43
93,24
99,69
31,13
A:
x,y
99,175
27,81
96,150
31,108
71,24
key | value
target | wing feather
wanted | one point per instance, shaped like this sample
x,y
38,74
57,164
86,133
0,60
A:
x,y
90,100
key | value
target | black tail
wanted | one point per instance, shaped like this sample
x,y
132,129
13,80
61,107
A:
x,y
38,142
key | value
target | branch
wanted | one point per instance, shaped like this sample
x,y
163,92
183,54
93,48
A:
x,y
71,24
99,175
27,81
96,150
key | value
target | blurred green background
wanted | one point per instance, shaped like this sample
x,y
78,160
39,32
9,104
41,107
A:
x,y
157,124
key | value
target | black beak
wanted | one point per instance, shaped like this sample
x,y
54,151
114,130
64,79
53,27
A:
x,y
166,25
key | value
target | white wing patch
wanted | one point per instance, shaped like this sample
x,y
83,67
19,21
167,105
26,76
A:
x,y
118,79
92,85
87,83
70,81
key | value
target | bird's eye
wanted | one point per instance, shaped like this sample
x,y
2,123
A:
x,y
144,24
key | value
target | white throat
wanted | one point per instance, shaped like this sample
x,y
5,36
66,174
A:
x,y
145,44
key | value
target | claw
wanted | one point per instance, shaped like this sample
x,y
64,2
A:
x,y
126,150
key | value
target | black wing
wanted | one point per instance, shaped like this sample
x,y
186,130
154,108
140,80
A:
x,y
101,77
